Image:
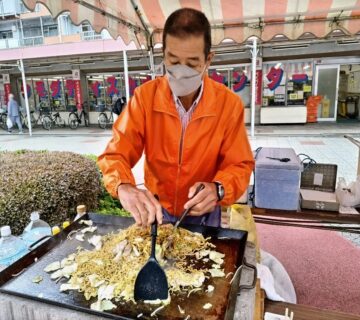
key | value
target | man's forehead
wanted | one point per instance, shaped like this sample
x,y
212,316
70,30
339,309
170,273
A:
x,y
190,57
189,47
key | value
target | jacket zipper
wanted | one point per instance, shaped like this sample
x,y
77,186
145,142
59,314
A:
x,y
179,166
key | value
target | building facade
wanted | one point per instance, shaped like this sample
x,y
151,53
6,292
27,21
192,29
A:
x,y
66,65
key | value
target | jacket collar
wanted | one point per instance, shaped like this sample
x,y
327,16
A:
x,y
164,102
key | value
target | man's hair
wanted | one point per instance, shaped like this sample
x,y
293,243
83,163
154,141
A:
x,y
184,22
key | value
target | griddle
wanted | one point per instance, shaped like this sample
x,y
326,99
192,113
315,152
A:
x,y
17,278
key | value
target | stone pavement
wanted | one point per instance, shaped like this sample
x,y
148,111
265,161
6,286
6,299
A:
x,y
325,143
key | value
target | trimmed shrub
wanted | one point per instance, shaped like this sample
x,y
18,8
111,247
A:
x,y
53,183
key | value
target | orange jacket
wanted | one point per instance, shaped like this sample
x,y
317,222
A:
x,y
215,146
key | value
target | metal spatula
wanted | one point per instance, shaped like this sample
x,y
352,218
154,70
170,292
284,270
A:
x,y
151,282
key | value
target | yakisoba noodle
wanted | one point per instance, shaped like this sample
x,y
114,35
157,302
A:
x,y
116,265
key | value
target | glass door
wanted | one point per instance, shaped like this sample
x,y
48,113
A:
x,y
327,85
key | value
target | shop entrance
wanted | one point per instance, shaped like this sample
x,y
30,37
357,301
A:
x,y
327,83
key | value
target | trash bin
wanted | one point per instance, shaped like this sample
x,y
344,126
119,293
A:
x,y
351,107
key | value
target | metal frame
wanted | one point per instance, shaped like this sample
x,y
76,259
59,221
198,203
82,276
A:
x,y
328,66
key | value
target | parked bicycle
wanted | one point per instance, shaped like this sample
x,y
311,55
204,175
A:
x,y
3,116
75,119
104,120
53,120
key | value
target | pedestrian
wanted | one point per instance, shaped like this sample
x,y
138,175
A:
x,y
13,114
191,130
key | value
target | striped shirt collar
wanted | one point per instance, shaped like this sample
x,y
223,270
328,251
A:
x,y
179,106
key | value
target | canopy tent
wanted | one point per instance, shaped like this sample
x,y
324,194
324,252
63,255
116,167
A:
x,y
142,20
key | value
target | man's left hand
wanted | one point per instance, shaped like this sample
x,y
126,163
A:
x,y
205,201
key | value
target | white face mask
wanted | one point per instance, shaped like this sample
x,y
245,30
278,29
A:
x,y
183,80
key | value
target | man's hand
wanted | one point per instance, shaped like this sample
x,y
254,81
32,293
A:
x,y
205,201
141,204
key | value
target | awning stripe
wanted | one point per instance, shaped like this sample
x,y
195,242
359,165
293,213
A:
x,y
234,19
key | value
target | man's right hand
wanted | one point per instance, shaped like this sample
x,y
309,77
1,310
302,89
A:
x,y
141,204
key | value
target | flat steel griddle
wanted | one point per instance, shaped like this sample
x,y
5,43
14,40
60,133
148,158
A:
x,y
230,242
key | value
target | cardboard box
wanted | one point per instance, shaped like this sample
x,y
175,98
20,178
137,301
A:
x,y
319,200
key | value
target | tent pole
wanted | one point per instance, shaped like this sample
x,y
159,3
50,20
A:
x,y
152,64
25,96
253,86
126,76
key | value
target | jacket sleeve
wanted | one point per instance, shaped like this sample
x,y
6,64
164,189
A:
x,y
9,109
125,147
236,161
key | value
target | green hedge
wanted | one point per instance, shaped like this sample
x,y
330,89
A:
x,y
53,183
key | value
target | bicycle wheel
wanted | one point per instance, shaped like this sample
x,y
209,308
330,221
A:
x,y
3,121
46,122
24,121
103,120
60,122
86,119
73,121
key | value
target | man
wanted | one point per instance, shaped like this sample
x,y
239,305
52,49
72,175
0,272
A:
x,y
13,113
191,130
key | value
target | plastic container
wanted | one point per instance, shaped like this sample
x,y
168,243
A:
x,y
277,183
36,229
80,210
55,230
11,248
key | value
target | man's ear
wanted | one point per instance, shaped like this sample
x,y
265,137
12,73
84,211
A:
x,y
210,57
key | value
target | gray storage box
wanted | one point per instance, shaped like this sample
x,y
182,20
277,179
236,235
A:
x,y
277,184
318,182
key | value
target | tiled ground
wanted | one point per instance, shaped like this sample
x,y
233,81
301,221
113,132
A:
x,y
323,143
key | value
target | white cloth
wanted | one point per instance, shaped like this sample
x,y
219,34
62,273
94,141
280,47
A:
x,y
274,279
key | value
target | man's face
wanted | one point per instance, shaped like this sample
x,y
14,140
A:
x,y
187,51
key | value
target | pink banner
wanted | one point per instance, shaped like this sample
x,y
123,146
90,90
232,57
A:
x,y
7,90
258,90
78,95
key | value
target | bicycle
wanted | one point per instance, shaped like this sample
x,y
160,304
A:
x,y
51,119
3,116
75,119
104,120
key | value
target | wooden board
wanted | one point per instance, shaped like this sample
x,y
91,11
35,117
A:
x,y
259,302
302,312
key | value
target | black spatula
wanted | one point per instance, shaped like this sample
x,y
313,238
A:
x,y
151,282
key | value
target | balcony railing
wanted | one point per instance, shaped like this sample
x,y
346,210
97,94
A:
x,y
90,35
9,43
32,41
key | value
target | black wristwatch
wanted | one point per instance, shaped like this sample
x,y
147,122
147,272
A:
x,y
219,191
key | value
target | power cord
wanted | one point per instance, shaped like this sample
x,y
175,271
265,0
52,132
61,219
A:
x,y
307,158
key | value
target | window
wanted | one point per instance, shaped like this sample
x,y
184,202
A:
x,y
287,83
7,34
30,32
238,79
85,27
51,30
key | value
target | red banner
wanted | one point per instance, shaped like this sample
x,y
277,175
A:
x,y
258,90
7,90
78,95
